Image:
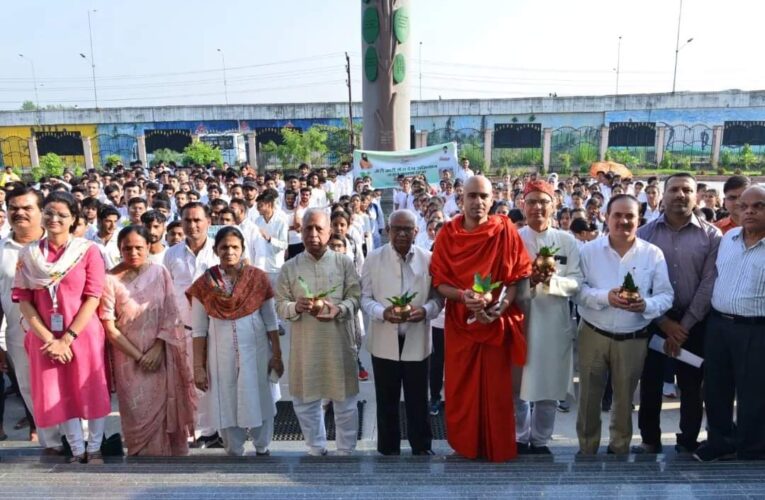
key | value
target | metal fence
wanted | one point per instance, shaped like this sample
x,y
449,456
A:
x,y
123,145
15,152
574,147
687,145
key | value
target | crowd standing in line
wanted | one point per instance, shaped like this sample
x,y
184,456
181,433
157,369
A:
x,y
173,285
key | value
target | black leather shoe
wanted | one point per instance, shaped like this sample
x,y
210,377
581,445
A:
x,y
423,453
523,448
540,450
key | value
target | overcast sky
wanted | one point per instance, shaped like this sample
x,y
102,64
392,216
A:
x,y
164,52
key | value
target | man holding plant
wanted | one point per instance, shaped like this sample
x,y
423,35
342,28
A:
x,y
613,333
318,292
483,336
550,332
399,300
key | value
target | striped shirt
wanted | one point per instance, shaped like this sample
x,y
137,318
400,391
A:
x,y
740,284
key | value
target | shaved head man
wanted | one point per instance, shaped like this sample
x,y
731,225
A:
x,y
483,331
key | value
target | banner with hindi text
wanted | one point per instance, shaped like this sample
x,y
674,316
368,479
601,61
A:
x,y
383,167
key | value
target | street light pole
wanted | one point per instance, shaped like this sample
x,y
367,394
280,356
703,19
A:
x,y
34,79
618,62
420,71
92,59
225,83
678,47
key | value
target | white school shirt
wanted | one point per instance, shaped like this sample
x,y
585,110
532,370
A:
x,y
278,229
11,331
109,250
740,283
185,268
604,269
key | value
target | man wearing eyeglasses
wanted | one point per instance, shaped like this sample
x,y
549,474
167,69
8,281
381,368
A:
x,y
547,376
400,345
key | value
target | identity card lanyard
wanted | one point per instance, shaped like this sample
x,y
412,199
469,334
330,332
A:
x,y
56,318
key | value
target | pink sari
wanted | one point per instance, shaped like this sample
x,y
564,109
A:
x,y
156,408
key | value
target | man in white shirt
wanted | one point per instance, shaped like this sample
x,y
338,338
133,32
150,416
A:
x,y
273,226
186,262
613,333
25,213
154,221
106,237
254,243
464,172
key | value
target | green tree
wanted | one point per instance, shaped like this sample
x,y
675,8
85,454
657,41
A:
x,y
202,153
338,140
166,155
298,147
474,154
51,164
112,160
28,106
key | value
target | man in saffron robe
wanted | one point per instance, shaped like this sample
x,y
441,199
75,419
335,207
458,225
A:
x,y
483,338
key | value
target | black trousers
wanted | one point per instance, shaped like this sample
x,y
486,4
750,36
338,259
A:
x,y
689,380
389,377
437,365
735,367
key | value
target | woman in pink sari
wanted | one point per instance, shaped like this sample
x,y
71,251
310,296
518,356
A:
x,y
58,286
153,381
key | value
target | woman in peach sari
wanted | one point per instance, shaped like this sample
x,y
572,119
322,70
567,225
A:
x,y
154,384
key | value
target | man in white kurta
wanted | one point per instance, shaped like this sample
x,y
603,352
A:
x,y
550,332
323,352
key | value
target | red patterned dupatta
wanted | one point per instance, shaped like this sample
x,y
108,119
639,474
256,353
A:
x,y
251,289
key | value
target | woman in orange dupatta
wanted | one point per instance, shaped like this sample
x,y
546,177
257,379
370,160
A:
x,y
153,381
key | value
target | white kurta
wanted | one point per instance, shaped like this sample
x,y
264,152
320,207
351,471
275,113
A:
x,y
240,393
550,330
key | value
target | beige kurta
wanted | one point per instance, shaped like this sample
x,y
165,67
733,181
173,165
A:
x,y
322,354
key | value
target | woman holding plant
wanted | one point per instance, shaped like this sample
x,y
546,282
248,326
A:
x,y
237,356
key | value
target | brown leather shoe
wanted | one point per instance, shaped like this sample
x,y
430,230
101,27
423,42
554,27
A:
x,y
95,458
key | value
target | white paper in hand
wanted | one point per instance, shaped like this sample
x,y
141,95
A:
x,y
657,344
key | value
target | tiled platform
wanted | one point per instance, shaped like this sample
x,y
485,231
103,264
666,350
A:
x,y
291,474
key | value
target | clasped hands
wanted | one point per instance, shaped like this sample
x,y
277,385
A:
x,y
152,358
637,306
416,315
676,336
477,304
58,350
327,313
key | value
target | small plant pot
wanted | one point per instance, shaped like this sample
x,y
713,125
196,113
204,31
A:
x,y
402,312
545,263
630,297
318,307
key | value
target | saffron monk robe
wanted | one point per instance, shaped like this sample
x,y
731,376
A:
x,y
480,418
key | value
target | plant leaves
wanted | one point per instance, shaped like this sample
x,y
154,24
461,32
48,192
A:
x,y
306,289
